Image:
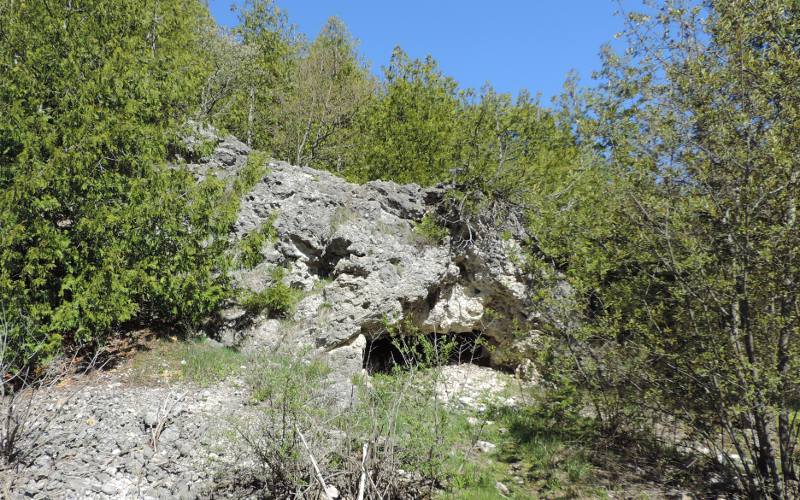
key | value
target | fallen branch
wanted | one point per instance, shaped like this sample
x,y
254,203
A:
x,y
314,464
362,482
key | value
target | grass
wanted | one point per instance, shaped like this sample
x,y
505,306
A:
x,y
536,457
540,452
196,362
341,217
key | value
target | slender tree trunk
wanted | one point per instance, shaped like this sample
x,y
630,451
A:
x,y
250,116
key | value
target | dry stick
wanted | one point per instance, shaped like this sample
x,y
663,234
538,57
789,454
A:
x,y
314,464
362,482
163,415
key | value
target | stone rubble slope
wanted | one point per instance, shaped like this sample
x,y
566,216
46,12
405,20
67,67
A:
x,y
96,441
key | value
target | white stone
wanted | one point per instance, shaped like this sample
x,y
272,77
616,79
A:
x,y
502,488
485,446
459,311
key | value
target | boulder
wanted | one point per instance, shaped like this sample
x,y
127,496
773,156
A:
x,y
353,252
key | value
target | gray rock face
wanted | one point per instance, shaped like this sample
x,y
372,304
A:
x,y
354,251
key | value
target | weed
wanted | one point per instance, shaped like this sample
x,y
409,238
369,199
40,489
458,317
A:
x,y
276,301
285,437
342,216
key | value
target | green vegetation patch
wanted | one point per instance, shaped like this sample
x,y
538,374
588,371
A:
x,y
277,300
197,362
253,171
251,245
429,231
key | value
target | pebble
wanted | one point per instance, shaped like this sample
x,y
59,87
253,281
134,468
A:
x,y
170,435
102,440
110,489
502,488
485,446
150,419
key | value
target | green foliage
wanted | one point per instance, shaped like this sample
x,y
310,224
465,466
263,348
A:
x,y
328,84
247,87
407,131
688,289
290,392
286,381
406,408
429,230
251,245
96,229
277,300
251,174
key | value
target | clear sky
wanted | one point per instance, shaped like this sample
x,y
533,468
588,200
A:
x,y
513,44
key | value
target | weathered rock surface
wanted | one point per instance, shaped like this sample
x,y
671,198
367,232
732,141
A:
x,y
354,251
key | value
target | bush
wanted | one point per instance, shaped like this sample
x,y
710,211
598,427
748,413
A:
x,y
27,404
277,300
251,245
429,231
253,171
398,422
291,393
96,229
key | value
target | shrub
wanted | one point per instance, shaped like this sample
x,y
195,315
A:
x,y
250,246
429,231
292,402
96,229
27,404
253,171
277,300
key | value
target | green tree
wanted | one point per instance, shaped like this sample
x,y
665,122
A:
x,y
95,229
264,57
511,155
407,132
690,288
329,84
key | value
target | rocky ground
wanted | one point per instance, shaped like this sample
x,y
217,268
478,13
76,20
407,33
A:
x,y
105,435
100,436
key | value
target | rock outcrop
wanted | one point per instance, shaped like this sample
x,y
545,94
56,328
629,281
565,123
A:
x,y
361,262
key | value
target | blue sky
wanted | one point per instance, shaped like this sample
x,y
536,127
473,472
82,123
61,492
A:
x,y
513,44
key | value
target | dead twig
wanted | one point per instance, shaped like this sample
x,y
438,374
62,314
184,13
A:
x,y
314,464
162,417
362,481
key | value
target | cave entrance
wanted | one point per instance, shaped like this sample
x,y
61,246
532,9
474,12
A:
x,y
385,353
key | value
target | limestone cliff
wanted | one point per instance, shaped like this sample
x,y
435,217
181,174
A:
x,y
356,254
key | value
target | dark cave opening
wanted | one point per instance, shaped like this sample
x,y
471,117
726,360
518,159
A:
x,y
386,353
